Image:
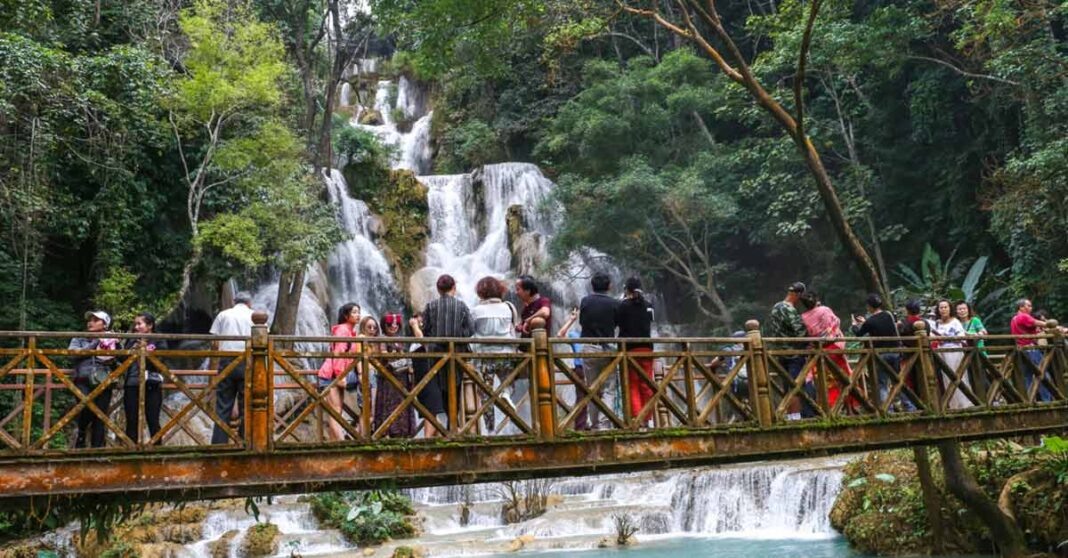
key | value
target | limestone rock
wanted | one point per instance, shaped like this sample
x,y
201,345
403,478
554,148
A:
x,y
370,117
220,548
31,549
260,540
181,533
520,542
421,286
409,552
162,550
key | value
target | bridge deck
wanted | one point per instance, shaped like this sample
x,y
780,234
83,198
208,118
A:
x,y
512,409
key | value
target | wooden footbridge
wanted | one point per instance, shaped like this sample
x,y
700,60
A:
x,y
714,400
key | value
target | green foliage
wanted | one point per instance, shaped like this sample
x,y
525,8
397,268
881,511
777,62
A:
x,y
360,146
471,144
117,293
1056,449
234,62
365,518
935,279
880,508
442,33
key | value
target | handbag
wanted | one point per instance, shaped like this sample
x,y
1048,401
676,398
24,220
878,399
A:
x,y
99,374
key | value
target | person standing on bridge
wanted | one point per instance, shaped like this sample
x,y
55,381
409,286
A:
x,y
821,321
946,325
597,318
233,322
389,397
535,304
347,318
447,316
634,318
153,380
1023,323
880,323
785,321
89,372
495,318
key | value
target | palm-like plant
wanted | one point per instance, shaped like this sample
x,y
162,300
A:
x,y
936,278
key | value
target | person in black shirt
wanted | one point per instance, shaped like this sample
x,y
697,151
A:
x,y
597,317
634,318
881,323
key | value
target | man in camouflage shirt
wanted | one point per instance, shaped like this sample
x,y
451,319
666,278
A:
x,y
785,321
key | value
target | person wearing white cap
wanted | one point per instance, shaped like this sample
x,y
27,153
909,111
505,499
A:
x,y
89,372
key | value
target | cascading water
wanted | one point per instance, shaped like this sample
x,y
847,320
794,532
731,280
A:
x,y
403,98
788,500
358,271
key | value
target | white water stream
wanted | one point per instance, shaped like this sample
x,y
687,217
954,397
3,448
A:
x,y
787,500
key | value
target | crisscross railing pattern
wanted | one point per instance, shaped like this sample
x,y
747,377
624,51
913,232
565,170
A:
x,y
402,388
45,402
405,390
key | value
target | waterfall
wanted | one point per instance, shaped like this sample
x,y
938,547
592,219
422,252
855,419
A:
x,y
411,148
358,270
469,234
773,500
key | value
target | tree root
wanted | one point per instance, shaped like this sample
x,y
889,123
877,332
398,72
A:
x,y
1005,498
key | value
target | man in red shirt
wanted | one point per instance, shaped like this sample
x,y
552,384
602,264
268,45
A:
x,y
1023,323
535,305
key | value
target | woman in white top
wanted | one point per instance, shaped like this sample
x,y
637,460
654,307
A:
x,y
946,325
495,318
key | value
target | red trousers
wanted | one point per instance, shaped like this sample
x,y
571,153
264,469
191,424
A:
x,y
640,391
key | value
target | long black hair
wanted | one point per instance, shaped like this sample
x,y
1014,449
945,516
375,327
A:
x,y
344,311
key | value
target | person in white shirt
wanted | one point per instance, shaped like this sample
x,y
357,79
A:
x,y
495,318
234,322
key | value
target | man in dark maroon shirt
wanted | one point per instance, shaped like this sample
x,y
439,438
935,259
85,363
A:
x,y
535,305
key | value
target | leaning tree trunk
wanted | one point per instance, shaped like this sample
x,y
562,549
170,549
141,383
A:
x,y
1006,533
290,287
931,500
741,73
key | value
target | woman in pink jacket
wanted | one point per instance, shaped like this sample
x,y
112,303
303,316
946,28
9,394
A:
x,y
337,368
820,321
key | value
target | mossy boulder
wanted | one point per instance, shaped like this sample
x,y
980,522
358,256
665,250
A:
x,y
260,540
399,201
370,117
880,509
220,547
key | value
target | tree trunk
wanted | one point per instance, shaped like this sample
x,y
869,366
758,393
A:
x,y
187,278
836,214
742,74
290,288
1005,532
931,500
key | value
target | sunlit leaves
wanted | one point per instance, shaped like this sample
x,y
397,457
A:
x,y
235,61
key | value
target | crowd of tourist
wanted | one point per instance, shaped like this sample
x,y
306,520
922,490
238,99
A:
x,y
490,330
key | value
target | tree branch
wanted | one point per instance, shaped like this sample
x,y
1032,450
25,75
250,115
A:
x,y
802,60
961,71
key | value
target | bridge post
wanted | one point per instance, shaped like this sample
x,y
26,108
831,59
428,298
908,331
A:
x,y
543,379
759,384
928,378
259,419
1058,363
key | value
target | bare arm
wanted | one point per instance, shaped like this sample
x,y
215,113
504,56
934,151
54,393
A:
x,y
571,317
